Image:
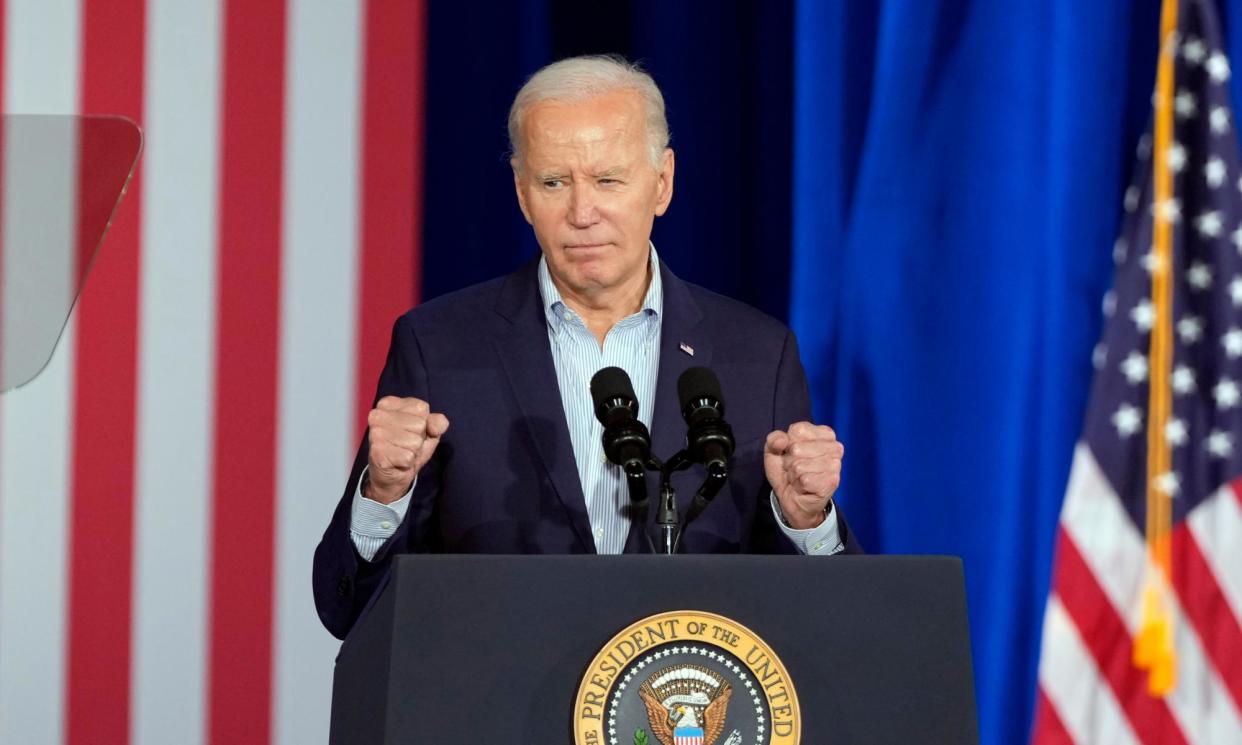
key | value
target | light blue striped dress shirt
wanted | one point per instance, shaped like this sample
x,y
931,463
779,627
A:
x,y
633,345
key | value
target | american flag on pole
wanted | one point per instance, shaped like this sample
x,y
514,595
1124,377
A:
x,y
164,481
1141,639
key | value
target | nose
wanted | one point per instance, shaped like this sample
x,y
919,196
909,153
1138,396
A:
x,y
582,207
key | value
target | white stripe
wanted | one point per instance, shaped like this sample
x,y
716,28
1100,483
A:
x,y
1070,679
41,75
176,371
1116,554
1216,525
317,350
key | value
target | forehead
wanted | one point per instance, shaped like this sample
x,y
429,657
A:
x,y
612,124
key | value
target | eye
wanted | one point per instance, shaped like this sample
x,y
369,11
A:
x,y
553,183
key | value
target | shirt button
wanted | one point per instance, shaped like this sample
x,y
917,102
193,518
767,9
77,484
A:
x,y
603,456
385,524
817,546
599,532
568,316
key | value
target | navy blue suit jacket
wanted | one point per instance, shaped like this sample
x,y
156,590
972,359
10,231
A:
x,y
503,479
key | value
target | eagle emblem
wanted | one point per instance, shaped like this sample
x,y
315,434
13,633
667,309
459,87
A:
x,y
686,704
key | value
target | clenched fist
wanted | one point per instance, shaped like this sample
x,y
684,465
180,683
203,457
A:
x,y
403,434
803,467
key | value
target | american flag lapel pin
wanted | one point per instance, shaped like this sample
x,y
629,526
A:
x,y
686,348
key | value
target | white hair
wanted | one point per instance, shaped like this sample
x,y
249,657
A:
x,y
583,78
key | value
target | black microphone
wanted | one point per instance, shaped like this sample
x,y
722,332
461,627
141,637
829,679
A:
x,y
626,440
710,438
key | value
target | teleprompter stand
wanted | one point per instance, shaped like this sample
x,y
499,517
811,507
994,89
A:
x,y
475,649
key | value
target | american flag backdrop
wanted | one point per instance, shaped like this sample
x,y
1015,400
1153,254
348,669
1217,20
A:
x,y
1141,638
164,481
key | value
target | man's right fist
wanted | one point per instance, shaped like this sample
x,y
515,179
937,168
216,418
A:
x,y
403,434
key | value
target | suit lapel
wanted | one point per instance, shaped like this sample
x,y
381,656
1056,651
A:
x,y
527,360
680,327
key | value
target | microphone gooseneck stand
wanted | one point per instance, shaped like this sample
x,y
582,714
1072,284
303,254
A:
x,y
627,443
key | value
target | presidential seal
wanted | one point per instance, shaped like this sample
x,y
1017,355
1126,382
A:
x,y
686,678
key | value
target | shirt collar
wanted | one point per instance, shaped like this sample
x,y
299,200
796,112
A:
x,y
556,310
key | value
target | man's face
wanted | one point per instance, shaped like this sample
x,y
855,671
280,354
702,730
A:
x,y
587,186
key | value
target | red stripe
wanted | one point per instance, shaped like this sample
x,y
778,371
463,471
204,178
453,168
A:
x,y
1108,639
248,317
1208,611
392,178
1048,728
100,549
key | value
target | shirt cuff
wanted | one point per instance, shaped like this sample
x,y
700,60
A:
x,y
822,540
371,523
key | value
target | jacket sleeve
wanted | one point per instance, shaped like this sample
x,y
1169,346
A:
x,y
343,581
791,402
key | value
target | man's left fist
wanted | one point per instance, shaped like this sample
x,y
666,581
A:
x,y
803,467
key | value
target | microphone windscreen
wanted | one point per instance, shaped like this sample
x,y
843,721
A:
x,y
696,383
611,383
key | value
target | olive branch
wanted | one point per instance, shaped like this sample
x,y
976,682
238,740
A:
x,y
640,736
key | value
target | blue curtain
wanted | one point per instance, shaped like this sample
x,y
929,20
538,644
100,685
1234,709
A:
x,y
927,190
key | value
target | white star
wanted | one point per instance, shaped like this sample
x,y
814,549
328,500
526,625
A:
x,y
1217,67
1144,146
1110,303
1099,355
1219,120
1176,157
1219,443
1232,342
1131,199
1134,367
1170,210
1121,248
1183,380
1168,483
1199,275
1175,432
1235,290
1143,315
1214,172
1190,329
1193,50
1185,104
1149,262
1127,420
1208,224
1226,394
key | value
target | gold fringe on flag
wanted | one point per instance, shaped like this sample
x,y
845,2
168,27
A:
x,y
1153,645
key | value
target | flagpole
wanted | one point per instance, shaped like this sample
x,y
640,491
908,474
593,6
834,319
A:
x,y
1153,648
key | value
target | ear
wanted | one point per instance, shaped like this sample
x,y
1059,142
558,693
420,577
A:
x,y
517,188
664,193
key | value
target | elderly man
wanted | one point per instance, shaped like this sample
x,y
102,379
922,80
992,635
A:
x,y
482,438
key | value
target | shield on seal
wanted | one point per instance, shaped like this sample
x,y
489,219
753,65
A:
x,y
688,736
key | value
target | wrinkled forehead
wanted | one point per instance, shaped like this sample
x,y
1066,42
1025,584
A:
x,y
611,125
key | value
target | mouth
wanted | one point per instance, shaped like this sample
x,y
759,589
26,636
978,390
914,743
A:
x,y
583,246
